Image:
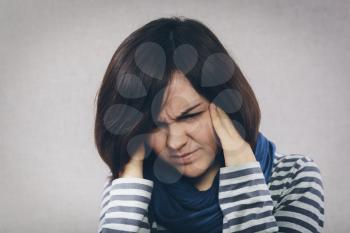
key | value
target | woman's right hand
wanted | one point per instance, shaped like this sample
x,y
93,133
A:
x,y
134,168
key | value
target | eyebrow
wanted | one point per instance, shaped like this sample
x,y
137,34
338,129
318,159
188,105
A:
x,y
185,112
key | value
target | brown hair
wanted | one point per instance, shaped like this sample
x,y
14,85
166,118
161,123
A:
x,y
142,66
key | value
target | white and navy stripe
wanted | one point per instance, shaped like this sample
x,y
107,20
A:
x,y
292,201
124,205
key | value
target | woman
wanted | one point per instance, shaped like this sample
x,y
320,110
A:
x,y
178,126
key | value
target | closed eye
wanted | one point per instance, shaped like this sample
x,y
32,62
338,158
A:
x,y
189,116
186,117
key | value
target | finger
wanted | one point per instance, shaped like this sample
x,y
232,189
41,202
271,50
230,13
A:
x,y
225,120
219,117
229,126
215,123
219,128
229,137
214,116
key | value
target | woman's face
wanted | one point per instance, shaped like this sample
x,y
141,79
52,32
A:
x,y
192,132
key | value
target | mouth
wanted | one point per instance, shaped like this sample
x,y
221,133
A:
x,y
184,159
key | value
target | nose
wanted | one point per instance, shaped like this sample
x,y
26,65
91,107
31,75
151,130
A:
x,y
176,138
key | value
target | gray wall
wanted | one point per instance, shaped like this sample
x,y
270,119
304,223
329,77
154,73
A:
x,y
294,53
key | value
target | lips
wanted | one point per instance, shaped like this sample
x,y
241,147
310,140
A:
x,y
182,155
184,158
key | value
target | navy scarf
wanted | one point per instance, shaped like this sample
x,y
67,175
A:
x,y
181,208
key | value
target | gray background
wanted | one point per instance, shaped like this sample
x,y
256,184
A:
x,y
295,54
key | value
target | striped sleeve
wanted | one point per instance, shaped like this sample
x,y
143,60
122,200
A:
x,y
124,205
301,206
247,205
245,200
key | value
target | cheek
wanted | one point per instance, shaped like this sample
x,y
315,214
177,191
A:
x,y
205,127
205,133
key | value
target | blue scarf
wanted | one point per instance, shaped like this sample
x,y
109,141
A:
x,y
181,208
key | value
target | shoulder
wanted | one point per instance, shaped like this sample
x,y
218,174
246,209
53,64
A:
x,y
295,176
288,166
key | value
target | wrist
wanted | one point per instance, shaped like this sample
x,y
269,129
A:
x,y
134,169
241,156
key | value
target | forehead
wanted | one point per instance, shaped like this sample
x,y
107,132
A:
x,y
179,95
178,87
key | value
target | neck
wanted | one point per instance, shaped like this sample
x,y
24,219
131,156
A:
x,y
205,181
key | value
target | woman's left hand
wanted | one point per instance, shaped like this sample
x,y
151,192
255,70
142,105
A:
x,y
236,149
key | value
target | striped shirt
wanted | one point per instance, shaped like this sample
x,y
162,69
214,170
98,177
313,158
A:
x,y
292,201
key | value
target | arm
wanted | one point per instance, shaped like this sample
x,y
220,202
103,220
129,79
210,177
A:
x,y
124,205
301,207
247,203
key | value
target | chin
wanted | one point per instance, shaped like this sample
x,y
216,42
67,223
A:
x,y
190,171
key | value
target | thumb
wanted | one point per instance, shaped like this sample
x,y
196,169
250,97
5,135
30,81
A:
x,y
215,120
